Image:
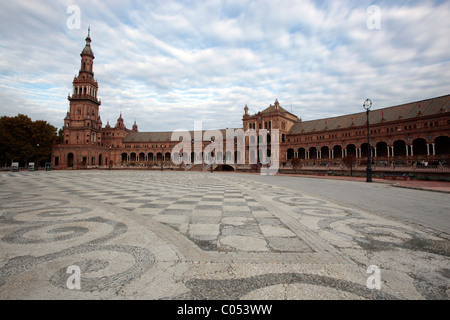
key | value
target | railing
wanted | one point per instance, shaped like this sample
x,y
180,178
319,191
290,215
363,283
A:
x,y
395,168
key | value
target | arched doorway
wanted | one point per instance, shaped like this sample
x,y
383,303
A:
x,y
364,151
420,147
290,154
351,150
442,145
312,153
325,152
302,153
337,151
382,149
70,160
399,148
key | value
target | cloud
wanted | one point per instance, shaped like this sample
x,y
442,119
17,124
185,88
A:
x,y
166,63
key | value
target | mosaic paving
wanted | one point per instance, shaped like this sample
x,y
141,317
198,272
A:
x,y
168,235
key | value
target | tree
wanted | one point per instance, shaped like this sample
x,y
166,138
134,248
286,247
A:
x,y
24,140
349,162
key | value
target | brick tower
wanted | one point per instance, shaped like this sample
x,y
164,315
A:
x,y
83,124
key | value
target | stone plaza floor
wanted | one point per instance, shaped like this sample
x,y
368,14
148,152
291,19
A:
x,y
198,235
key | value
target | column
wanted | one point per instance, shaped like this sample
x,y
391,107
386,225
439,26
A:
x,y
388,152
407,150
392,151
428,149
375,151
412,150
434,149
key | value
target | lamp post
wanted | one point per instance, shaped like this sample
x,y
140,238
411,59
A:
x,y
211,156
367,105
162,157
36,165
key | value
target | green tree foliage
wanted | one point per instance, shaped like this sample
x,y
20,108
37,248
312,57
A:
x,y
24,140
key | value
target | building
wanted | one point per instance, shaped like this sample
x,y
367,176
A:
x,y
416,132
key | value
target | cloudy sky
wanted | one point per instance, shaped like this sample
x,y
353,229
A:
x,y
168,63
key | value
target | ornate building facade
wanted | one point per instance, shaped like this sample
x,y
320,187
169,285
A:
x,y
416,132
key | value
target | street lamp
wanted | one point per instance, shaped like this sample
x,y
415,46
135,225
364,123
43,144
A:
x,y
162,157
211,156
367,105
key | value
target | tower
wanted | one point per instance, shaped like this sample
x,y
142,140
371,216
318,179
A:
x,y
82,124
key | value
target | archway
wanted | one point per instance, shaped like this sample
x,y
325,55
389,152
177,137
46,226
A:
x,y
325,152
337,151
302,153
312,153
420,147
363,149
382,149
442,145
399,148
70,160
351,150
290,154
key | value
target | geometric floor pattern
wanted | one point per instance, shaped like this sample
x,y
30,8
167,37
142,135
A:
x,y
178,235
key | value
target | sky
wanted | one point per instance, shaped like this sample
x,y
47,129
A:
x,y
167,63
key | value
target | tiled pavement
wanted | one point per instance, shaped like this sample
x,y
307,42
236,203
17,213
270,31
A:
x,y
178,235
